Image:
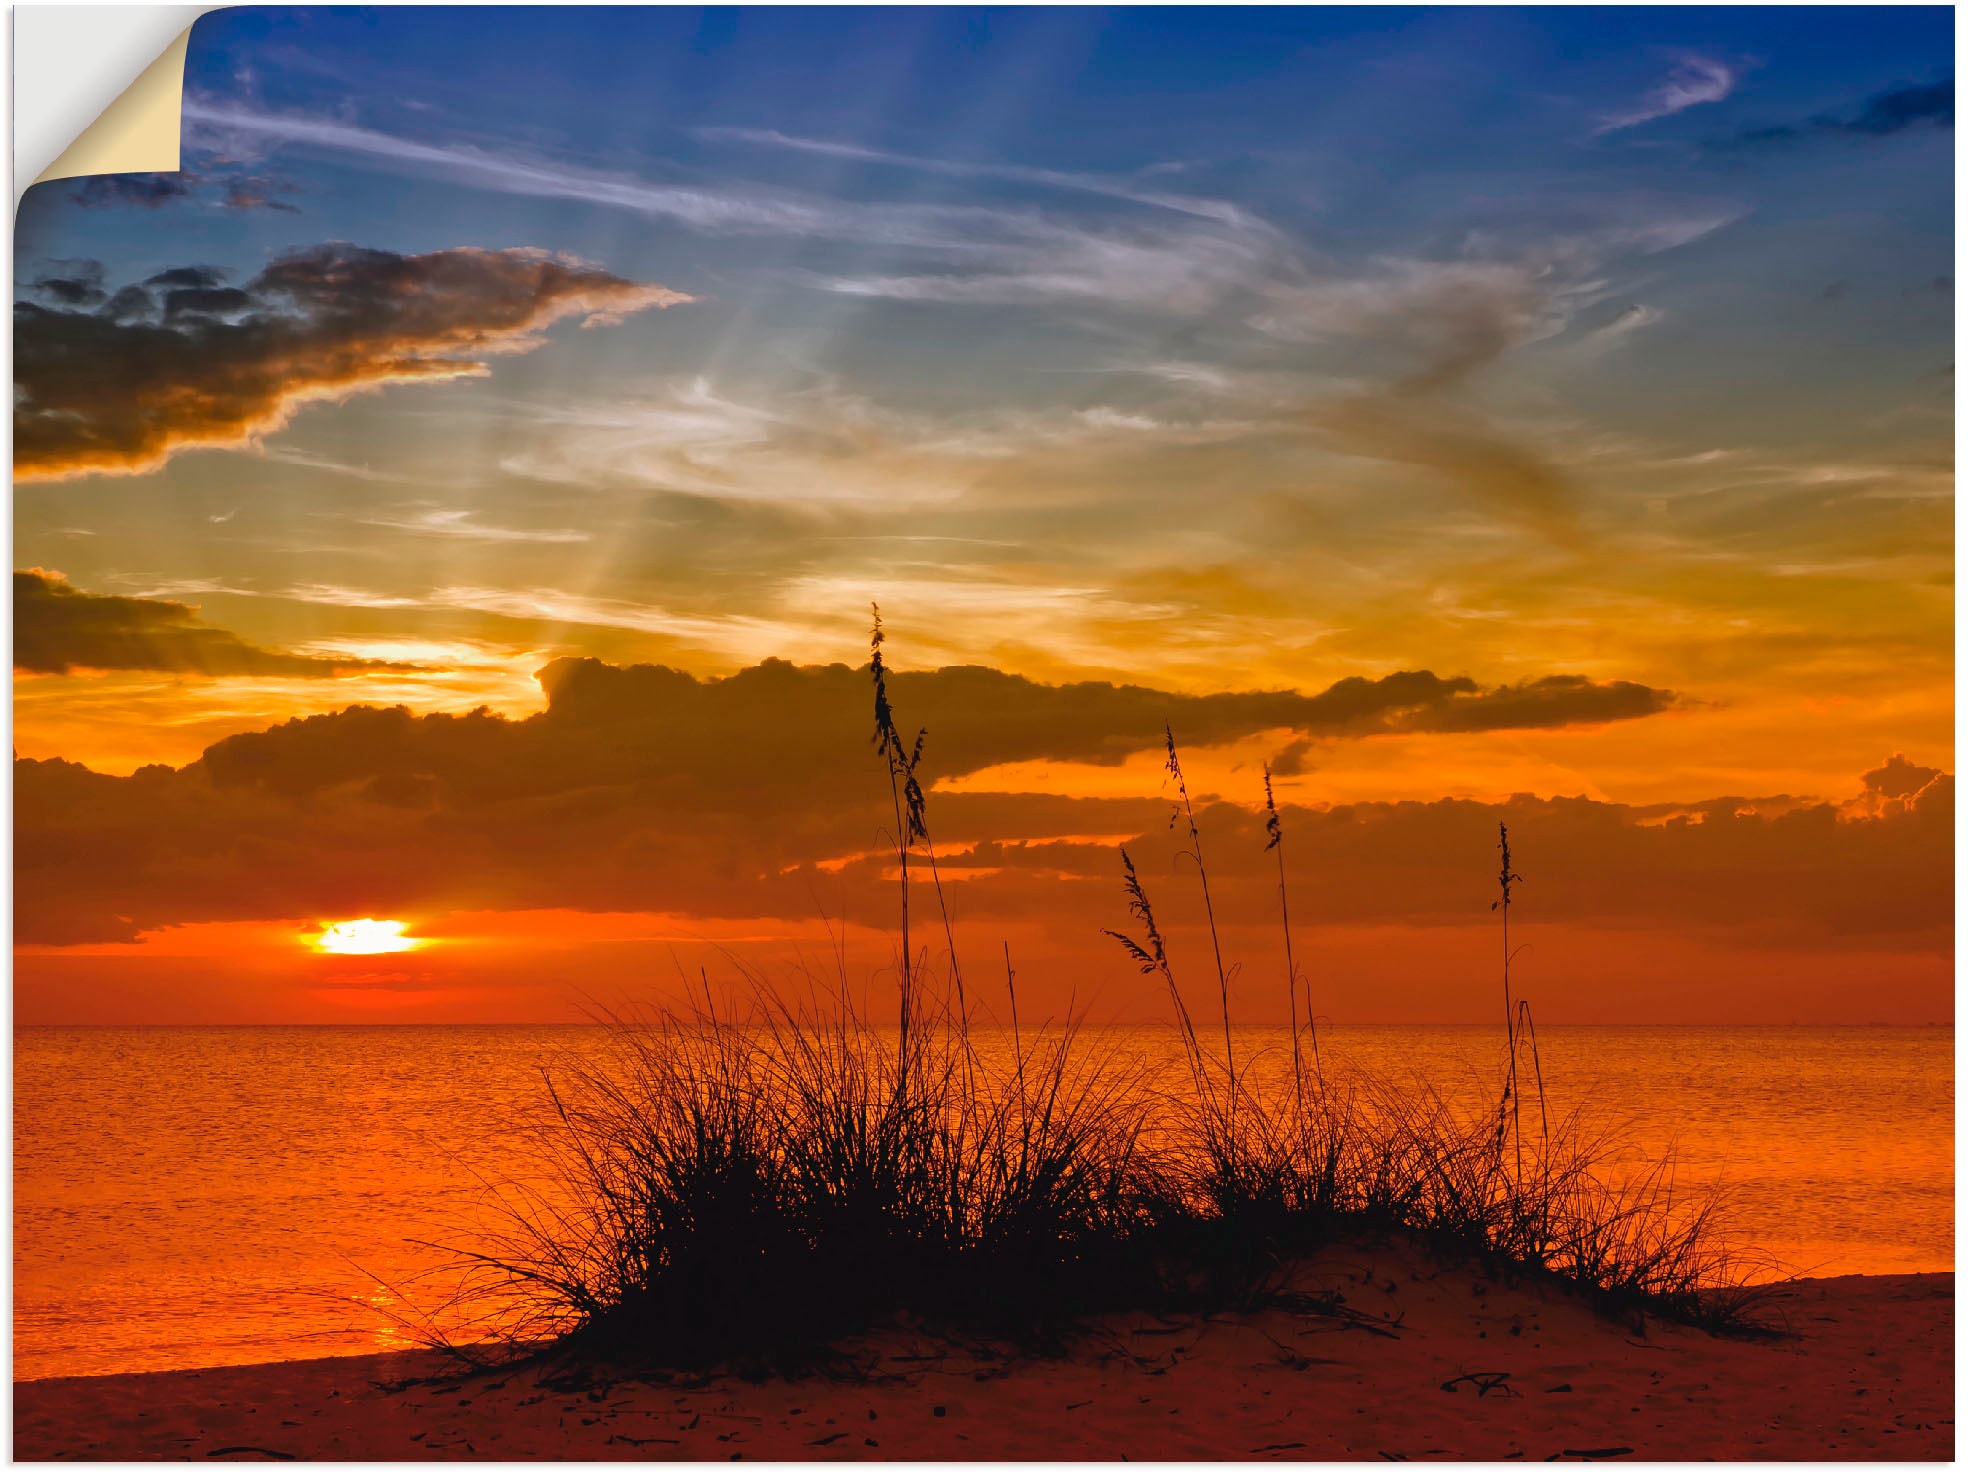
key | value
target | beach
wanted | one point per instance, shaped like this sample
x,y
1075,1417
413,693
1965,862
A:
x,y
1421,1360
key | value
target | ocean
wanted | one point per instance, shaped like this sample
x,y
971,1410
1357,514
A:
x,y
186,1197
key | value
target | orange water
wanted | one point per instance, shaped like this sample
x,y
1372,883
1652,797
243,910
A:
x,y
199,1196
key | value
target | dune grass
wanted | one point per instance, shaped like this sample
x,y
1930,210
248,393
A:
x,y
748,1186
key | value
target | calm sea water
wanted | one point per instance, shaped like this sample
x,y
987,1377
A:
x,y
198,1196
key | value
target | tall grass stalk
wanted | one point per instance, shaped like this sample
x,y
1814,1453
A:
x,y
1186,810
907,795
1274,830
1508,1110
912,825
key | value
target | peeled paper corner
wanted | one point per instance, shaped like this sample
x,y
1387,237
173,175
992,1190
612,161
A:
x,y
81,79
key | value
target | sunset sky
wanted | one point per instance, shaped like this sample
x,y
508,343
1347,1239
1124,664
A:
x,y
1540,416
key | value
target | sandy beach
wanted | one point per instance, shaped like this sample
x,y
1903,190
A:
x,y
1425,1361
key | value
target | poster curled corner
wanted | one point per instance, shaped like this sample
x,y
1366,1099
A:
x,y
139,132
140,128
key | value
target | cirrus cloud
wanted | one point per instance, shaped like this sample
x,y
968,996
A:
x,y
1691,81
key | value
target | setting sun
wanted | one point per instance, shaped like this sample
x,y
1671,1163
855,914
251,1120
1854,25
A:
x,y
364,938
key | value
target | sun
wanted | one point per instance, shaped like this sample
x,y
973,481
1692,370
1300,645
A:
x,y
364,938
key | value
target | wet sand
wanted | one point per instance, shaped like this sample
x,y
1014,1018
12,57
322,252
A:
x,y
1424,1361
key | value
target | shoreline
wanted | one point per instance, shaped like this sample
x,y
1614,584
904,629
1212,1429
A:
x,y
1429,1360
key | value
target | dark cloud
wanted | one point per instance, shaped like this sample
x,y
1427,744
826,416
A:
x,y
636,788
381,812
183,361
1896,110
1555,700
59,629
1901,108
153,191
190,291
1292,760
72,283
193,277
979,717
1899,777
145,191
1784,870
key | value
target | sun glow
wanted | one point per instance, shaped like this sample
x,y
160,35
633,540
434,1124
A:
x,y
364,938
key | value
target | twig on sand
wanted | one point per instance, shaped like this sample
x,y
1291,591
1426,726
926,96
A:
x,y
1484,1380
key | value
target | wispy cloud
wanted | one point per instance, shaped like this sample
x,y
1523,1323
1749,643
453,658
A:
x,y
1691,81
340,597
1112,188
1180,271
1432,328
1628,320
441,522
962,252
823,445
507,172
748,637
308,461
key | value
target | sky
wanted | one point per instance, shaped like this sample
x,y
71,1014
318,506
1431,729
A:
x,y
456,497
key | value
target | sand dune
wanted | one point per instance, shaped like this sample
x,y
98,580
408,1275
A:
x,y
1427,1362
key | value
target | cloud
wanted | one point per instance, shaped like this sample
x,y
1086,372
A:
x,y
153,191
1442,323
983,717
1184,271
750,209
1445,319
1623,324
819,444
1902,108
639,776
1096,184
1500,471
1882,115
1430,330
144,191
955,252
1554,700
59,629
72,283
1293,759
442,522
1691,81
183,361
1899,786
646,789
258,192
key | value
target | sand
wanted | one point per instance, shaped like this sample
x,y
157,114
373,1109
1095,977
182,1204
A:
x,y
1428,1362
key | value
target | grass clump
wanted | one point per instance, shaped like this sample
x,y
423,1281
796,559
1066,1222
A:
x,y
749,1186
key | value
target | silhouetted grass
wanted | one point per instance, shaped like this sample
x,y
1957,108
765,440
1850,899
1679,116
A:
x,y
750,1186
